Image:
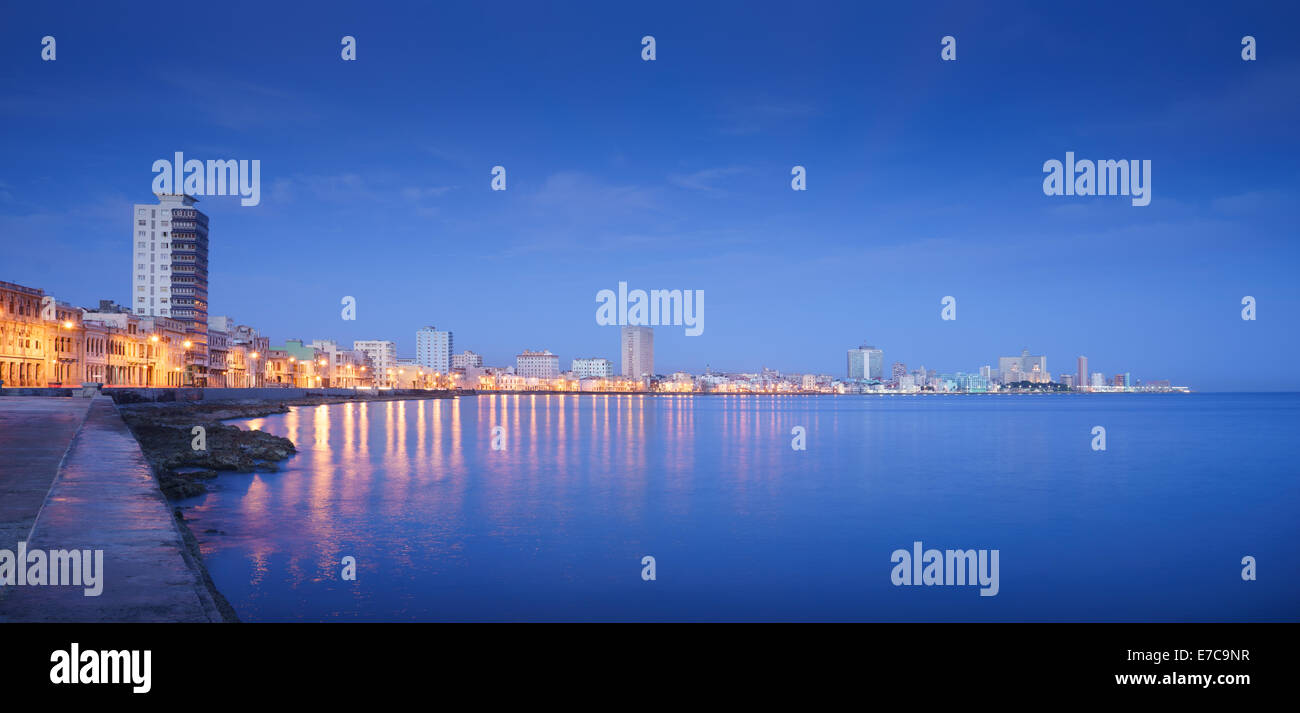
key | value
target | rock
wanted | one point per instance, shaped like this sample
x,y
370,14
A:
x,y
166,437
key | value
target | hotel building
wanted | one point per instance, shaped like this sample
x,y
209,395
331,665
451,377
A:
x,y
866,362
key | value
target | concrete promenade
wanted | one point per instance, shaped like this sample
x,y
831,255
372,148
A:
x,y
101,495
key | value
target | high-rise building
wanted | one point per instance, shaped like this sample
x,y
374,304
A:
x,y
542,365
866,362
433,349
383,356
170,275
898,371
593,368
638,352
1081,378
1097,379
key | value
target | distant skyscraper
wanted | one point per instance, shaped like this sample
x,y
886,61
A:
x,y
1081,378
866,362
986,373
638,352
170,278
899,370
433,349
1097,379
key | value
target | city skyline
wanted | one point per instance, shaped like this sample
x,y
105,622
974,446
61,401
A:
x,y
653,164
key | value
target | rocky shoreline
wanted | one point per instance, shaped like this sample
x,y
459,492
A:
x,y
166,435
165,431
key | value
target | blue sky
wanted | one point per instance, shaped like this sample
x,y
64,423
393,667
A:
x,y
924,176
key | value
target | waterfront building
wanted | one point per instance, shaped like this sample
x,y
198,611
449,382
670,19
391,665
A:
x,y
866,362
383,359
22,336
245,355
592,368
973,383
64,341
433,349
537,365
1067,380
278,369
1024,368
1097,380
343,368
168,362
411,374
638,352
1081,380
308,366
898,371
218,358
170,275
120,352
467,359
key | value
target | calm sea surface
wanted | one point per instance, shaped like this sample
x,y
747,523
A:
x,y
743,527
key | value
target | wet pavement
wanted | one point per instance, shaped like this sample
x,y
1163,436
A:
x,y
103,498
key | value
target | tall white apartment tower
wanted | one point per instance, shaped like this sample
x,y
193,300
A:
x,y
433,349
638,352
170,267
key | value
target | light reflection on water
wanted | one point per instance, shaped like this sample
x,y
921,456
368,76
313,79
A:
x,y
743,527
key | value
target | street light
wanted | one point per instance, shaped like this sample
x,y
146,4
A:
x,y
252,373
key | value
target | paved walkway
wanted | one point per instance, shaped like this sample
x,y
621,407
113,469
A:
x,y
103,498
35,432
